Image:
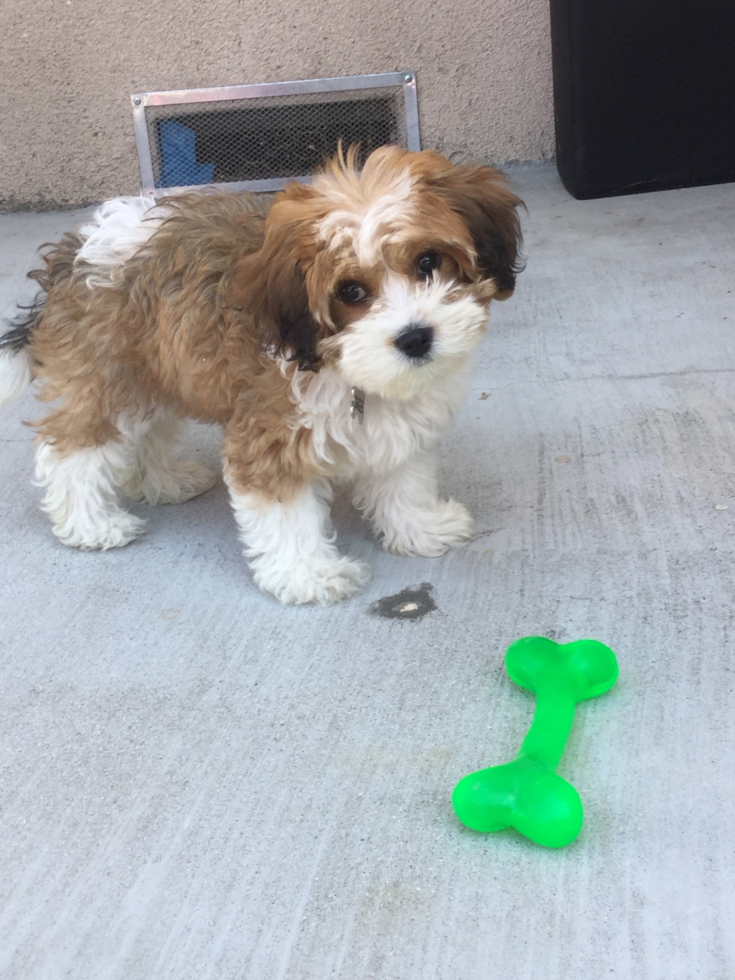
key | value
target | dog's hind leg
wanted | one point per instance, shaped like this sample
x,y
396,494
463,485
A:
x,y
160,478
81,493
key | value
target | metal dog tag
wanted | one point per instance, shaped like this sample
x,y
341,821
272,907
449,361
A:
x,y
357,407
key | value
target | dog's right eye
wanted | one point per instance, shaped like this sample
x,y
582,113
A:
x,y
427,264
351,292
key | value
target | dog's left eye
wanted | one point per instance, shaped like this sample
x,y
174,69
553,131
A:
x,y
351,292
428,263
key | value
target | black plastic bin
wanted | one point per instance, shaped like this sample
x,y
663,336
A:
x,y
644,94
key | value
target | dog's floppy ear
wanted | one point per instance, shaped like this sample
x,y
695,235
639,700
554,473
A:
x,y
479,195
269,286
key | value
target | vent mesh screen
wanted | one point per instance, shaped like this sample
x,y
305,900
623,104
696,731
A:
x,y
265,138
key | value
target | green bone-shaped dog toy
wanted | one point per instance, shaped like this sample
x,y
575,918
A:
x,y
527,793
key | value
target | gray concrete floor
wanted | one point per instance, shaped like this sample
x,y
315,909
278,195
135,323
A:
x,y
198,783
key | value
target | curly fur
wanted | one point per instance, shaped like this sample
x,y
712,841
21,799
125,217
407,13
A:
x,y
225,309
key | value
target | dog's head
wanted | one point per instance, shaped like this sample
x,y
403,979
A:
x,y
385,274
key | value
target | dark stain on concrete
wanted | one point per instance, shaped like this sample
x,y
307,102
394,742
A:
x,y
409,604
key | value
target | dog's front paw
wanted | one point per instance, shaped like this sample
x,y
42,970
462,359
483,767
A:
x,y
320,581
430,531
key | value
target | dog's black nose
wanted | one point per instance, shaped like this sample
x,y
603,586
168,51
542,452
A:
x,y
415,342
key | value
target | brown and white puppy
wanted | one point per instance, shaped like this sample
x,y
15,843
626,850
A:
x,y
328,334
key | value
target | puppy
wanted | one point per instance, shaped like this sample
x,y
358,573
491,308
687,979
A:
x,y
329,335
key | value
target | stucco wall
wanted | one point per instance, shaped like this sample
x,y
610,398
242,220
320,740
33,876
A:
x,y
68,67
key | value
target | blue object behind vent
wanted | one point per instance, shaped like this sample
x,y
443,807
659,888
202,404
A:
x,y
178,155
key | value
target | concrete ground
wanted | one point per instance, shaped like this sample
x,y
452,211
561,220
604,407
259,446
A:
x,y
196,782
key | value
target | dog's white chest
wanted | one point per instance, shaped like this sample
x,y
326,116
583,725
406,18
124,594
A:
x,y
379,434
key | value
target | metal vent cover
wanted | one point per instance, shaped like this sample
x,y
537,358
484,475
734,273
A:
x,y
259,137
